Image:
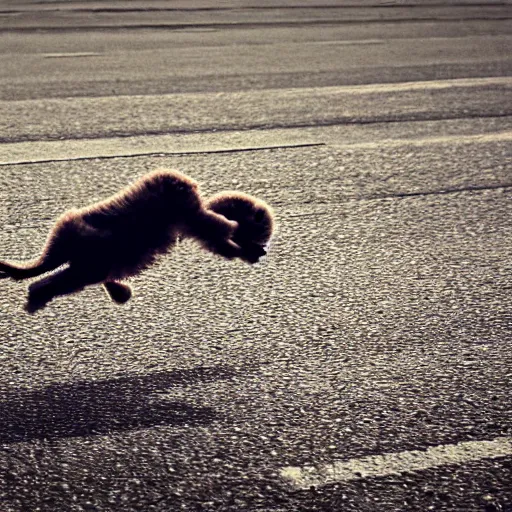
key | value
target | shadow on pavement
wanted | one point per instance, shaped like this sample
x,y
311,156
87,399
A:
x,y
101,407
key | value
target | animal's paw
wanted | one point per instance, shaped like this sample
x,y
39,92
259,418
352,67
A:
x,y
34,304
253,252
120,293
37,299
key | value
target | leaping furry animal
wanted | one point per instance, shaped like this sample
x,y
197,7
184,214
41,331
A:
x,y
121,236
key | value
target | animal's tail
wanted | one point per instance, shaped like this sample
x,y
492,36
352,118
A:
x,y
24,270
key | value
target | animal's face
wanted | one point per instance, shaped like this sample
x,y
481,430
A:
x,y
254,217
254,225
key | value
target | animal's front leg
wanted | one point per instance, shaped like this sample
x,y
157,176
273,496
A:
x,y
223,247
250,253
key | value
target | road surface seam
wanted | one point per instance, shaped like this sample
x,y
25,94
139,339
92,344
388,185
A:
x,y
69,150
166,153
261,127
401,195
247,25
401,5
473,188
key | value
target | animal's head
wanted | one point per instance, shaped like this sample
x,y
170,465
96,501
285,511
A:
x,y
255,217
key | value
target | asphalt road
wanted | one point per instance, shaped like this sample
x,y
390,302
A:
x,y
365,365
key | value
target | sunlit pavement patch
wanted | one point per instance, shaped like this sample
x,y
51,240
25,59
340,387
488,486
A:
x,y
397,463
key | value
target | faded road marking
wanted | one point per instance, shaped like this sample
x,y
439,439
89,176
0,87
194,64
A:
x,y
485,138
36,152
70,55
397,463
427,85
15,153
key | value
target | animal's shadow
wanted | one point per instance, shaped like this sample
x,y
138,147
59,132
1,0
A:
x,y
100,407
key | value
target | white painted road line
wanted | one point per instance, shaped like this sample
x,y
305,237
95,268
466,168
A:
x,y
397,463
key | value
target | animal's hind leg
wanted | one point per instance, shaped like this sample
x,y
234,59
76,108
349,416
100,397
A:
x,y
54,255
118,292
63,282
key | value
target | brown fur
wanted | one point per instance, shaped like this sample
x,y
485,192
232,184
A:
x,y
254,217
126,233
